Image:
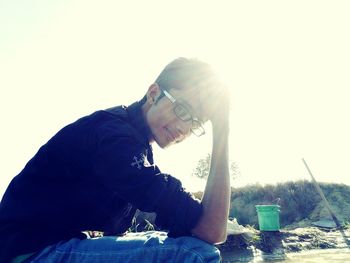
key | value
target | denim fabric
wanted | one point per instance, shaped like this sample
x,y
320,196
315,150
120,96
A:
x,y
152,246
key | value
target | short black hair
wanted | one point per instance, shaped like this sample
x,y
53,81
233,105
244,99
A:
x,y
186,73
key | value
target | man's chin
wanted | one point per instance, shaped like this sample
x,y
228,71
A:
x,y
164,144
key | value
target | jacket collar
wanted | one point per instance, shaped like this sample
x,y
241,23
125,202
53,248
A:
x,y
138,121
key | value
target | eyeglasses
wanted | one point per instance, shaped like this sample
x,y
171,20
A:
x,y
184,114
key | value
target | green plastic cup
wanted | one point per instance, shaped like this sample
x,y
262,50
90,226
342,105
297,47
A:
x,y
269,217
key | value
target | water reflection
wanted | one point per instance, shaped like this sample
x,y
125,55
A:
x,y
321,256
255,255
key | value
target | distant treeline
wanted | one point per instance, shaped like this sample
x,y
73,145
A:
x,y
298,200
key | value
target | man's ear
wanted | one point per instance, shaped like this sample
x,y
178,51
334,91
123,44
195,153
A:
x,y
153,93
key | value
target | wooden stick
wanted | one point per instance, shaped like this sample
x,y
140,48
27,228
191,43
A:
x,y
319,190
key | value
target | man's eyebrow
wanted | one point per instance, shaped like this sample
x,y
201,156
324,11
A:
x,y
186,104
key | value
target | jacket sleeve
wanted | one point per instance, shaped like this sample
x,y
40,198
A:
x,y
122,167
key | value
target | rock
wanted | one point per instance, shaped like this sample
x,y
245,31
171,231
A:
x,y
325,224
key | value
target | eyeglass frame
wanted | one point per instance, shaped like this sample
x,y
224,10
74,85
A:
x,y
195,121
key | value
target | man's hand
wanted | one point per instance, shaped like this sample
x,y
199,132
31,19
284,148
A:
x,y
216,105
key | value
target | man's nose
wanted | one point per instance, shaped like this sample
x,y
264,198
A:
x,y
184,127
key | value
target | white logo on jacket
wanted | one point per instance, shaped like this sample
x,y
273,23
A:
x,y
140,162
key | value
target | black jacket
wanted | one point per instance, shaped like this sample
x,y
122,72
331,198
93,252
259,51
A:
x,y
92,175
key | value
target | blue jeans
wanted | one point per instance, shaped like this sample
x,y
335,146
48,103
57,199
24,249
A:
x,y
152,246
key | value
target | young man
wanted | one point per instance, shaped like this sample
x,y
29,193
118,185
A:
x,y
94,173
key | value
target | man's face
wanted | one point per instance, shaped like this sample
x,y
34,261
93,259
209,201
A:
x,y
167,128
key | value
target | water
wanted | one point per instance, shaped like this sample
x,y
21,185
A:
x,y
313,256
320,256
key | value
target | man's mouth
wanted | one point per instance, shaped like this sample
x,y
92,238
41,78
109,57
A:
x,y
170,136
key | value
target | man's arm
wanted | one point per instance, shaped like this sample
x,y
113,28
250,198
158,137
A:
x,y
212,225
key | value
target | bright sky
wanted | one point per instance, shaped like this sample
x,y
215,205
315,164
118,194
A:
x,y
287,63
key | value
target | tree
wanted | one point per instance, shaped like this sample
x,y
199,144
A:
x,y
203,167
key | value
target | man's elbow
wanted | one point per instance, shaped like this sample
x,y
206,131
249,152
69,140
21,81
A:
x,y
219,239
212,238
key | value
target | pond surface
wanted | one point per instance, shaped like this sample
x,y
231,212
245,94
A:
x,y
319,256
